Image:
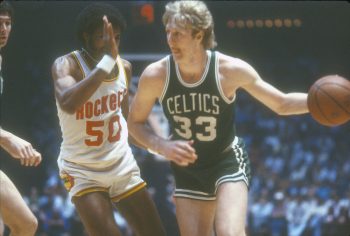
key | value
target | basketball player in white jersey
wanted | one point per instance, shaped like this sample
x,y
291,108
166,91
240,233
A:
x,y
13,210
95,161
197,89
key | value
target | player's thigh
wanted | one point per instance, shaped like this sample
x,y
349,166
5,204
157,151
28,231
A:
x,y
141,213
231,211
13,209
2,226
96,212
195,217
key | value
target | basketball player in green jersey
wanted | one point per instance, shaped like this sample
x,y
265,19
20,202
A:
x,y
197,89
13,210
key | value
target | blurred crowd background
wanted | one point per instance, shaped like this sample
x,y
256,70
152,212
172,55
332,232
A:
x,y
301,169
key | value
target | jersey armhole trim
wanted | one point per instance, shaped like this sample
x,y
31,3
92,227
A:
x,y
221,91
167,78
75,56
120,68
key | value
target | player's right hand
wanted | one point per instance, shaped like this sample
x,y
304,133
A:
x,y
110,45
22,150
179,151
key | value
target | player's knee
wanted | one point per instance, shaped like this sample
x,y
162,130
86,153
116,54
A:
x,y
150,230
31,225
27,226
107,228
229,230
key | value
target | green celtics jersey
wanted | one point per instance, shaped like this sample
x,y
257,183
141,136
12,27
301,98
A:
x,y
199,111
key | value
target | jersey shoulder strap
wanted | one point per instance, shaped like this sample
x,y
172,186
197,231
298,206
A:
x,y
84,68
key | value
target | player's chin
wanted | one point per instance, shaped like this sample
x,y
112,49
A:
x,y
176,55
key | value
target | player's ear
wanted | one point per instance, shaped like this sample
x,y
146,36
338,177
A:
x,y
199,35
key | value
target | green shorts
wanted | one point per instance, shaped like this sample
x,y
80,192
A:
x,y
201,182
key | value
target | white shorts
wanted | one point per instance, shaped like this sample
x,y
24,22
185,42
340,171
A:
x,y
119,180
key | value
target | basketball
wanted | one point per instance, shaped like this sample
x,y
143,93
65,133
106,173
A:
x,y
328,100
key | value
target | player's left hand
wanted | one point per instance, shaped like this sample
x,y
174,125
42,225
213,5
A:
x,y
22,150
110,45
179,151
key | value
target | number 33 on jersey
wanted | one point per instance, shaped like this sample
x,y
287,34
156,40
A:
x,y
199,111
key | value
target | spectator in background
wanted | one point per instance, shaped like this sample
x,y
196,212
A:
x,y
260,213
278,221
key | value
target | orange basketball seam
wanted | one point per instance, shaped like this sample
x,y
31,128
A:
x,y
334,100
320,109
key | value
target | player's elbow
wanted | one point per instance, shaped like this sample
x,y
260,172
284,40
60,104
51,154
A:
x,y
131,125
68,108
65,103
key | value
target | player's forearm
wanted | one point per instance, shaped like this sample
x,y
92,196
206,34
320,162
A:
x,y
7,141
145,137
77,95
4,137
294,104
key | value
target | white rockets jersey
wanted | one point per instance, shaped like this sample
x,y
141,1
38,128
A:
x,y
97,132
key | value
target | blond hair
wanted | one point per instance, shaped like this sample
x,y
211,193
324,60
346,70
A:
x,y
193,14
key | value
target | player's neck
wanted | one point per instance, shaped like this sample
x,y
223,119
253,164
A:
x,y
90,56
193,69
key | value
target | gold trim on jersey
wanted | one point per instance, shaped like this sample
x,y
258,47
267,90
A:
x,y
78,62
129,192
119,60
119,64
113,78
90,190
